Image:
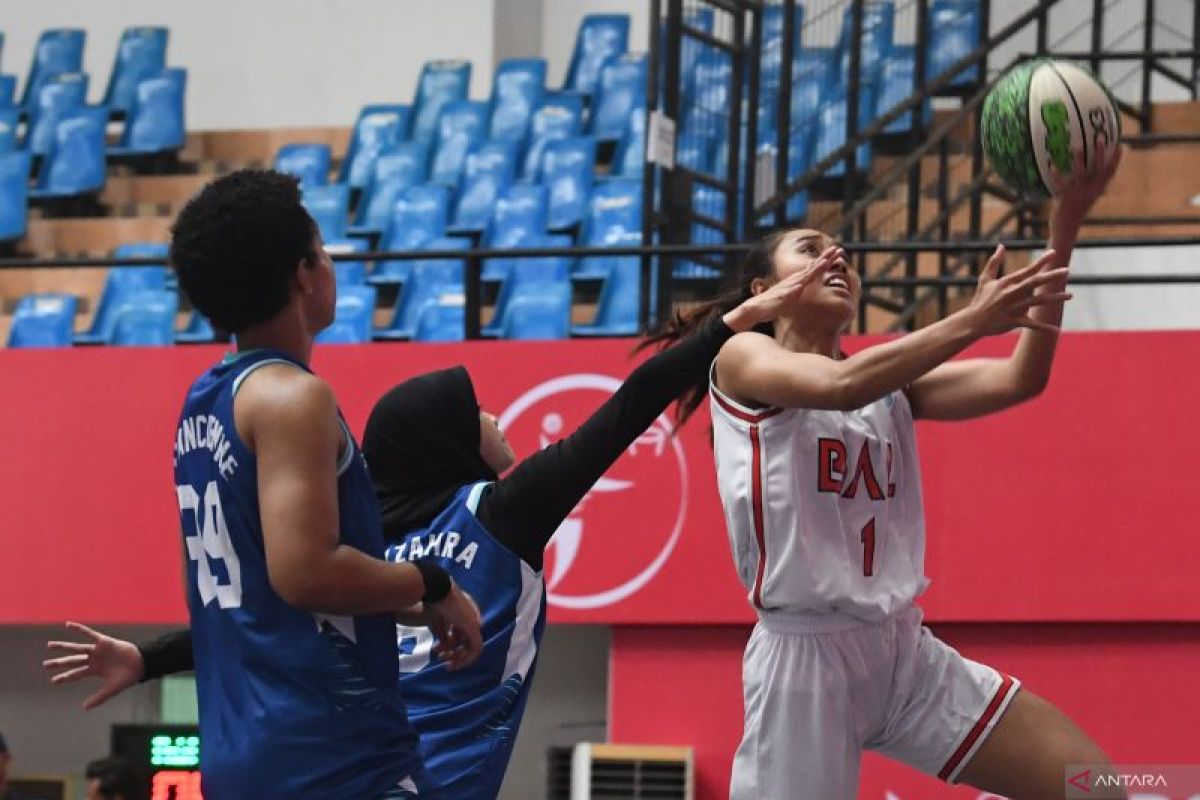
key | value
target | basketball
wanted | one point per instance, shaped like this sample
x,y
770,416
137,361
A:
x,y
1039,116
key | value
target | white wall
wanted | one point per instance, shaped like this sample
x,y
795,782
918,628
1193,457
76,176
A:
x,y
273,63
1146,307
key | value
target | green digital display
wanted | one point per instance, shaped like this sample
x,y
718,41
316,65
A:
x,y
179,752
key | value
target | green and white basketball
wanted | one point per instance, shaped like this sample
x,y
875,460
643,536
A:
x,y
1039,116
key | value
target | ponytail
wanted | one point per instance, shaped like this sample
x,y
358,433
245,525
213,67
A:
x,y
758,263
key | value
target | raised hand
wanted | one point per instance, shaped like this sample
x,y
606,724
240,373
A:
x,y
116,662
771,303
1076,195
1001,304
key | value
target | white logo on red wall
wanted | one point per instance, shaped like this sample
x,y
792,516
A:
x,y
619,536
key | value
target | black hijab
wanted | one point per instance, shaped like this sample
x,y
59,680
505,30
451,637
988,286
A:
x,y
422,445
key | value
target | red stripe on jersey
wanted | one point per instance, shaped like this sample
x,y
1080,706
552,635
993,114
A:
x,y
977,731
745,416
757,505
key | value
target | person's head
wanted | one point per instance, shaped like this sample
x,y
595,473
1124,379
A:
x,y
114,779
5,757
246,251
426,439
825,308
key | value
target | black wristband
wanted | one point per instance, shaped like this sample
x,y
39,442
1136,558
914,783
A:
x,y
437,580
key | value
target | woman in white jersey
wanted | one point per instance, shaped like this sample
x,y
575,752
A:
x,y
820,481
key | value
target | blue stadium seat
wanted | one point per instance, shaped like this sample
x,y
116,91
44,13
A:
x,y
404,166
157,250
621,92
155,123
619,304
353,317
516,92
9,118
43,320
544,313
329,206
896,84
307,162
489,171
614,217
198,330
441,82
567,172
8,91
813,78
58,50
520,212
954,31
141,54
831,128
706,117
145,318
462,126
420,214
530,275
121,283
710,202
560,116
429,280
349,273
443,320
57,98
601,37
630,161
377,130
879,22
75,166
14,194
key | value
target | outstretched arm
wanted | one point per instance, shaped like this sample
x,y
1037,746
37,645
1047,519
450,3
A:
x,y
525,509
117,663
976,386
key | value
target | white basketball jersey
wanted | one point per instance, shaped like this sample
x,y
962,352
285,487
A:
x,y
823,507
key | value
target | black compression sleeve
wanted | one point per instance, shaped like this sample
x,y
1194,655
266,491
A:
x,y
524,509
167,655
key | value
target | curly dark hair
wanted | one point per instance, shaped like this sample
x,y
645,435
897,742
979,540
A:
x,y
236,244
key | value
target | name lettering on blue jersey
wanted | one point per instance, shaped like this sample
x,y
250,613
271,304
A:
x,y
441,544
205,432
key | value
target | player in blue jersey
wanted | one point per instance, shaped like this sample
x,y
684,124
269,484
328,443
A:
x,y
435,460
292,608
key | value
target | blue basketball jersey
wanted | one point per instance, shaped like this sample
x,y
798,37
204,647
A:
x,y
468,719
292,704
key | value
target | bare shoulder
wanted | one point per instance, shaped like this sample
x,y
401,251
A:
x,y
742,348
279,398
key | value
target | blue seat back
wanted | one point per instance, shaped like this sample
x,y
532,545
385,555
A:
x,y
58,50
954,28
879,21
307,162
567,171
621,92
542,311
156,119
630,160
421,213
600,38
429,280
462,126
897,82
377,130
516,91
141,54
329,206
405,165
145,318
614,211
489,171
8,91
353,316
831,128
43,320
619,303
441,82
442,320
349,273
57,97
120,284
157,250
76,163
813,78
520,213
14,194
559,116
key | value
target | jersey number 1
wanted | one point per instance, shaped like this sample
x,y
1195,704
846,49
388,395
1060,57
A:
x,y
868,541
209,545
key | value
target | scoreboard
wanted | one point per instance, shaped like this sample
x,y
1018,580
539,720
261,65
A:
x,y
169,755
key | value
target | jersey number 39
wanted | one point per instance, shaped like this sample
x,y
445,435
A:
x,y
218,571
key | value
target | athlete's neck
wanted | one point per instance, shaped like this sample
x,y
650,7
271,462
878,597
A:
x,y
285,332
801,340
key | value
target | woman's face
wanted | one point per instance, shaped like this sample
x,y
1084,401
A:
x,y
836,297
495,450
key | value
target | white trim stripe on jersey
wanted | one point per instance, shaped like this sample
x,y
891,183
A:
x,y
522,647
740,411
237,382
981,730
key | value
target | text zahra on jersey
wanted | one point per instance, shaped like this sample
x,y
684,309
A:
x,y
205,432
443,544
